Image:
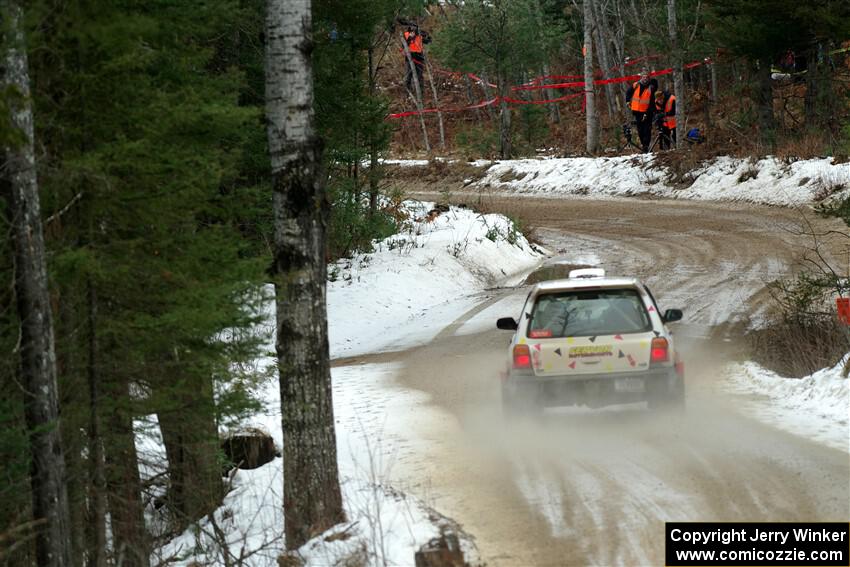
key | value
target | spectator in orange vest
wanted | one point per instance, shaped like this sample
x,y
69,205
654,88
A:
x,y
665,108
639,97
416,39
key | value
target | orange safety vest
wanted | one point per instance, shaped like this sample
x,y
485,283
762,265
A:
x,y
669,121
415,44
640,100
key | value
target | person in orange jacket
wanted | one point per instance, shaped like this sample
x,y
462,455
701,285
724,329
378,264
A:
x,y
639,97
416,40
665,109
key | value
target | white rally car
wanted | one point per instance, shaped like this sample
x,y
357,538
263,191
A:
x,y
591,340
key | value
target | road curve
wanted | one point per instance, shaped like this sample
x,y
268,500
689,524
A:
x,y
595,487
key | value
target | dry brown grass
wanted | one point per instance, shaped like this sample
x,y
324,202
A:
x,y
799,348
680,165
810,144
436,171
802,334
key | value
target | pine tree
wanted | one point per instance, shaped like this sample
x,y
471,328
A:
x,y
149,123
351,41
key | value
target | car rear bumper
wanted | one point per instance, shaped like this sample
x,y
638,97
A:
x,y
594,390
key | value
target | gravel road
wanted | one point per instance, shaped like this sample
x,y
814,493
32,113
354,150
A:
x,y
582,487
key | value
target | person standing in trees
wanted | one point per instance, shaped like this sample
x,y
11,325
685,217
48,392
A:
x,y
639,97
416,40
665,115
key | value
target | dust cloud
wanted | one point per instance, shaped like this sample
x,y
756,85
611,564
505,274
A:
x,y
594,486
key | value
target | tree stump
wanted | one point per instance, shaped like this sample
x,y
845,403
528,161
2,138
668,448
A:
x,y
248,449
443,551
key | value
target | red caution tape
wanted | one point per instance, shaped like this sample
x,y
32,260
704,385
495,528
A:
x,y
531,87
597,73
481,104
626,79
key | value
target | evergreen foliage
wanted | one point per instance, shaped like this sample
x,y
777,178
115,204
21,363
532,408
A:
x,y
154,173
350,118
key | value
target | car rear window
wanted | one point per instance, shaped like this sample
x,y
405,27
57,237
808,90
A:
x,y
582,313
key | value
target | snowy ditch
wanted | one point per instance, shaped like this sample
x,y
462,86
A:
x,y
400,295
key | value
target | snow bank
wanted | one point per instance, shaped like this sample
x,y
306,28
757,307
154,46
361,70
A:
x,y
816,407
412,286
385,526
418,281
769,181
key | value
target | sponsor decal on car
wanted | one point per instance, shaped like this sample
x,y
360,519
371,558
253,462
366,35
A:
x,y
591,351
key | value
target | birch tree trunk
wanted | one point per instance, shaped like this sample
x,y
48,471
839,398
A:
x,y
505,144
470,100
488,95
619,38
37,350
678,72
436,103
417,90
764,102
554,111
312,500
374,164
601,34
590,103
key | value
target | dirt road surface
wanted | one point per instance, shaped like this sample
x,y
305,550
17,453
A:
x,y
583,487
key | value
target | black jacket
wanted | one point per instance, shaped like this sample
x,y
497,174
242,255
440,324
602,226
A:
x,y
664,98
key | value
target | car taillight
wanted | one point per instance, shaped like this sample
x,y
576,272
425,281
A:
x,y
522,356
660,351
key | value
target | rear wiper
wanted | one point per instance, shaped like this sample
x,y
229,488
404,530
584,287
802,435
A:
x,y
567,314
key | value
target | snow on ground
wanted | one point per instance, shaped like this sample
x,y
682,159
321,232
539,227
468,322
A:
x,y
816,407
420,280
412,286
769,181
384,527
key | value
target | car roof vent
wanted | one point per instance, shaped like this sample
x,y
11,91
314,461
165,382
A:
x,y
586,273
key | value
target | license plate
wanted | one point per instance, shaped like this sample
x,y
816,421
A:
x,y
628,385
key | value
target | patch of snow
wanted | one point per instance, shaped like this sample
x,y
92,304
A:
x,y
407,291
404,162
485,319
816,407
768,181
385,526
416,282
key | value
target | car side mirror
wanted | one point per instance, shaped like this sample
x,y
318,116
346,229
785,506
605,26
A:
x,y
507,324
672,315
